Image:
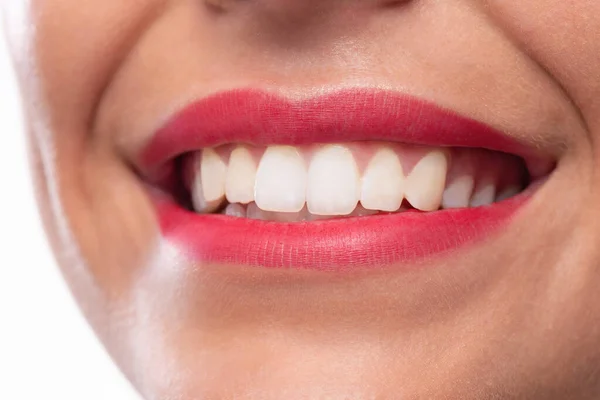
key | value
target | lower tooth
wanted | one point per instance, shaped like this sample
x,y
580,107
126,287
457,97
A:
x,y
508,193
235,210
484,195
292,217
254,212
360,211
458,192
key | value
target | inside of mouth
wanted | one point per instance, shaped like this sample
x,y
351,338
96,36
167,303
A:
x,y
321,181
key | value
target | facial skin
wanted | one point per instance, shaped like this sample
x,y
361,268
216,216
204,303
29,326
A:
x,y
516,317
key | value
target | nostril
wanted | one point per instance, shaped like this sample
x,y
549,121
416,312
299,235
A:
x,y
219,5
394,3
297,7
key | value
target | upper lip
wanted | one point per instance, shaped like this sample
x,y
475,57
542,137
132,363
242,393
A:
x,y
262,118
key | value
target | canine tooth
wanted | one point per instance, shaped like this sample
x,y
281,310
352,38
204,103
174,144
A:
x,y
241,177
383,182
201,205
212,172
425,184
484,194
458,192
281,180
333,182
199,202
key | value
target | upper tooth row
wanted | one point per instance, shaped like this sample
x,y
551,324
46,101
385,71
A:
x,y
330,184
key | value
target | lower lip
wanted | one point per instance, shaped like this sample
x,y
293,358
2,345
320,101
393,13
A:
x,y
339,244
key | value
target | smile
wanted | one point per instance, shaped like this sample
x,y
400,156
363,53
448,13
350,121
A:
x,y
343,181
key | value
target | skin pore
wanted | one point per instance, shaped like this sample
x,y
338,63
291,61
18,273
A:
x,y
517,316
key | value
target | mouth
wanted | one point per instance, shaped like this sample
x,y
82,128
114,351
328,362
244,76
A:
x,y
353,179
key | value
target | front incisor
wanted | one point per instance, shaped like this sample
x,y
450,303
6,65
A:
x,y
281,180
333,182
383,182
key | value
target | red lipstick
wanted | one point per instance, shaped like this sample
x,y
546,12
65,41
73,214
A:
x,y
261,119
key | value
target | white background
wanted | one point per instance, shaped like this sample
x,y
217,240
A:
x,y
47,351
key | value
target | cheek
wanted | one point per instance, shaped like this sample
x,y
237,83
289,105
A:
x,y
561,37
70,57
94,211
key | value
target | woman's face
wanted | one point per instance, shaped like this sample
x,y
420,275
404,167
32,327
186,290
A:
x,y
297,292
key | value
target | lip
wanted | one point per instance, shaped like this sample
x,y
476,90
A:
x,y
261,118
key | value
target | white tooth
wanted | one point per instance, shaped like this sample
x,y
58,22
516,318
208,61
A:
x,y
281,180
291,217
458,192
383,182
484,194
315,217
507,193
199,201
212,171
254,212
241,176
235,210
333,182
425,184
